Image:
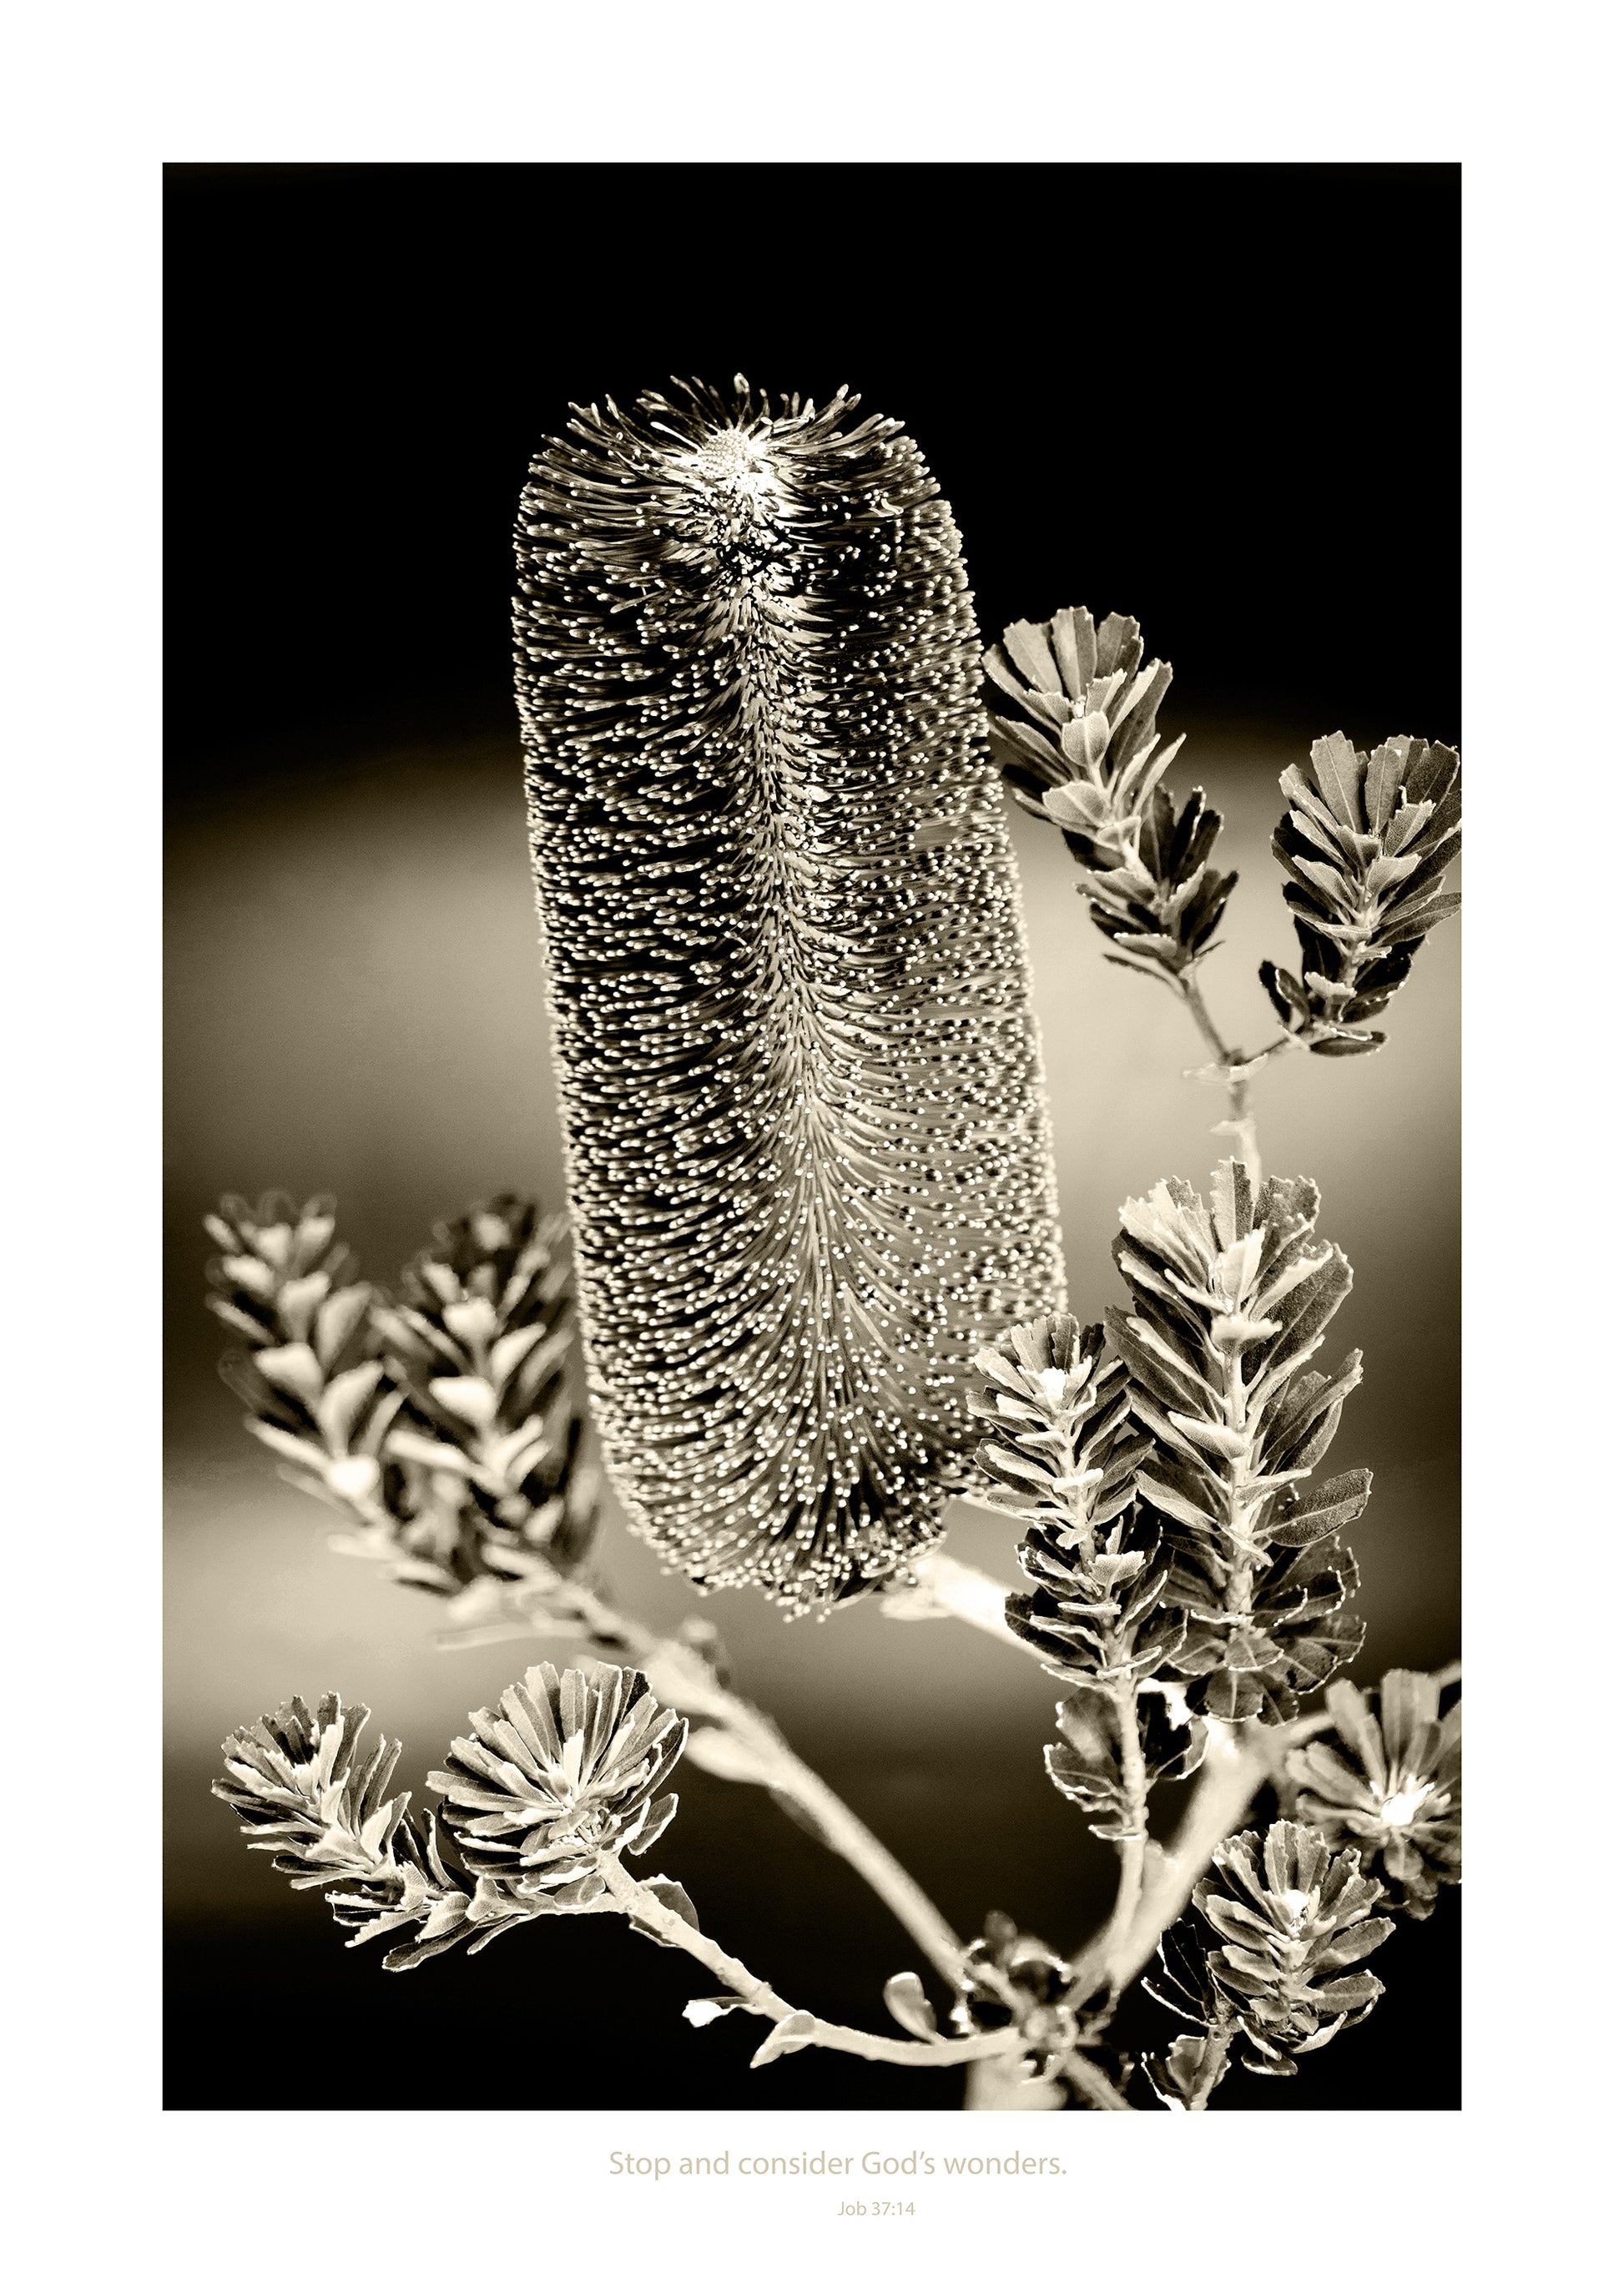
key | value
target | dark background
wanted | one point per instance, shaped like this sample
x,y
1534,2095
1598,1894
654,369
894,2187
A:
x,y
1233,388
1225,400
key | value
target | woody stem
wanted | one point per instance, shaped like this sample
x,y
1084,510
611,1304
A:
x,y
1214,2060
638,1901
1131,1849
694,1686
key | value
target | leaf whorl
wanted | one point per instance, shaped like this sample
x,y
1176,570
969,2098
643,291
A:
x,y
1387,1783
559,1776
1275,1948
809,1157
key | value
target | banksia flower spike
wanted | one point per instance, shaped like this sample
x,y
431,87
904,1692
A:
x,y
1230,1301
564,1772
1367,840
1387,1784
809,1159
1086,756
1286,1925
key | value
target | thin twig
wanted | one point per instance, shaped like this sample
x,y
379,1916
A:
x,y
1235,1068
850,1838
637,1900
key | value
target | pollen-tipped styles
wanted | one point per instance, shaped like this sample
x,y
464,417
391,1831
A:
x,y
810,1163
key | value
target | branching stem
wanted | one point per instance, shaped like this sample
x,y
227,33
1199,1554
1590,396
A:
x,y
1237,1068
1229,1781
636,1900
682,1679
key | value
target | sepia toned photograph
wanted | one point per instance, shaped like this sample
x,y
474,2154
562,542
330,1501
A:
x,y
812,1192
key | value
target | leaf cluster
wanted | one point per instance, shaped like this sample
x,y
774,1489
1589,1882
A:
x,y
1061,1446
1085,754
1230,1301
1365,842
1386,1783
448,1424
562,1774
1276,1949
1087,1767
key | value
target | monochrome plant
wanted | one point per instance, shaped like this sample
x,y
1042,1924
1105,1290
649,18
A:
x,y
810,1291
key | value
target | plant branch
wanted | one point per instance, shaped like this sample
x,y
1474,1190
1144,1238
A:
x,y
1214,2060
1190,987
948,1588
636,1900
1234,1773
1131,1851
680,1677
850,1838
1236,1068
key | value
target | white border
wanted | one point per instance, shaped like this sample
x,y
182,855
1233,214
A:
x,y
102,95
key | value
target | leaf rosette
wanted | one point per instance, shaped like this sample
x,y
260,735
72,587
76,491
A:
x,y
564,1772
1284,1925
1386,1783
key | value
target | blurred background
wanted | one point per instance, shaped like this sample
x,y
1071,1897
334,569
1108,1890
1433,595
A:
x,y
1224,400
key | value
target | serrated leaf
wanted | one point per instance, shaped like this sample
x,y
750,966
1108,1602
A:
x,y
1336,771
